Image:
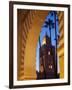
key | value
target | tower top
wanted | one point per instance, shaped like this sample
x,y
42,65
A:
x,y
46,40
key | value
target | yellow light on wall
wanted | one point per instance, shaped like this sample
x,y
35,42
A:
x,y
44,41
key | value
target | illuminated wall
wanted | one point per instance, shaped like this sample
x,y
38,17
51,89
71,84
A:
x,y
29,26
61,43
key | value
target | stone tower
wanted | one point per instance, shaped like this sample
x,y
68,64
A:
x,y
47,68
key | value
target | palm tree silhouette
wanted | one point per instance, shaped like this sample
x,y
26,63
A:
x,y
49,23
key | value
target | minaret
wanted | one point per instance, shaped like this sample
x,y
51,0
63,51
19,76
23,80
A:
x,y
47,60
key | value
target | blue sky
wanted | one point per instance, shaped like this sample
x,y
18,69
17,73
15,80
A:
x,y
42,34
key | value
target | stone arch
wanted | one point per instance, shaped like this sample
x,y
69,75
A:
x,y
30,51
32,29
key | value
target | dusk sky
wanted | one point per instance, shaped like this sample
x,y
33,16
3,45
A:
x,y
42,34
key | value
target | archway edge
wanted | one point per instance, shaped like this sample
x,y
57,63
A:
x,y
31,44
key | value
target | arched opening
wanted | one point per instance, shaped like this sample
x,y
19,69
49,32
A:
x,y
52,30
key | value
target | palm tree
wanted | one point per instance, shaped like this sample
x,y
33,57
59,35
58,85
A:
x,y
49,23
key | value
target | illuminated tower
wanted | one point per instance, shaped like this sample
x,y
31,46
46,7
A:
x,y
47,68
